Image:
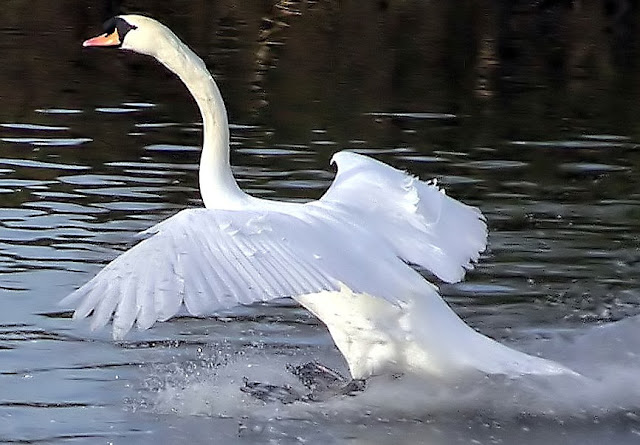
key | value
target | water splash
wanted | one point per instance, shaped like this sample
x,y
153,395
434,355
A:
x,y
608,355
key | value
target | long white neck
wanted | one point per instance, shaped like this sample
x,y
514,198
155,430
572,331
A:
x,y
217,184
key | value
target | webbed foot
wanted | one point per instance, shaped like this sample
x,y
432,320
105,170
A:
x,y
316,376
271,393
322,382
325,382
354,387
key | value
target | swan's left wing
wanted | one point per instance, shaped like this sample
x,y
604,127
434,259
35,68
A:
x,y
209,260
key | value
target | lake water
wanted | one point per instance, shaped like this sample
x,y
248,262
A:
x,y
528,114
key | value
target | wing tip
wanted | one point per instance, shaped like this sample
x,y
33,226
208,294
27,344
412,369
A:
x,y
70,299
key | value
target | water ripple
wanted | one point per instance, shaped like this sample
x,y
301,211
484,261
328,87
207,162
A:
x,y
47,142
429,116
171,147
35,127
58,111
115,110
138,104
46,405
591,143
591,167
40,164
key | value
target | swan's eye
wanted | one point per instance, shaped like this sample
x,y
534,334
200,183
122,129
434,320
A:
x,y
123,27
109,26
118,24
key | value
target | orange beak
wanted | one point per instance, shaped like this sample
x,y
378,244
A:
x,y
112,39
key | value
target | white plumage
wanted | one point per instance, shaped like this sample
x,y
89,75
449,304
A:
x,y
344,257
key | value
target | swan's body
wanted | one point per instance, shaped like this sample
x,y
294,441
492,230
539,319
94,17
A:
x,y
344,256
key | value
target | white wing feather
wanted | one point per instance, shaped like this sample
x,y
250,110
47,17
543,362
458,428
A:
x,y
424,225
370,222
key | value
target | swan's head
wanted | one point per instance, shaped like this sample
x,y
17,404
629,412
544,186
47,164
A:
x,y
137,33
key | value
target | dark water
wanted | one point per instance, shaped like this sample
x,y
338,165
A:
x,y
529,114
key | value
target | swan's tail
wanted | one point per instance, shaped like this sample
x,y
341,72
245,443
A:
x,y
421,338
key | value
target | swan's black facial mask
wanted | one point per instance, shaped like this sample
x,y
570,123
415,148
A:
x,y
115,30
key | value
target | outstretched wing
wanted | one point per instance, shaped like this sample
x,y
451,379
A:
x,y
422,224
214,259
371,221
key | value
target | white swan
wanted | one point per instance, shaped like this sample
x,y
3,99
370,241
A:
x,y
344,257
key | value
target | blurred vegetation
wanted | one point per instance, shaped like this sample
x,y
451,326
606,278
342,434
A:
x,y
535,62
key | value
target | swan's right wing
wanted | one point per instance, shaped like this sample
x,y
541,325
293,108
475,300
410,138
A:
x,y
210,260
417,219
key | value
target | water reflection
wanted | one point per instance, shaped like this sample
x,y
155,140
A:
x,y
528,113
